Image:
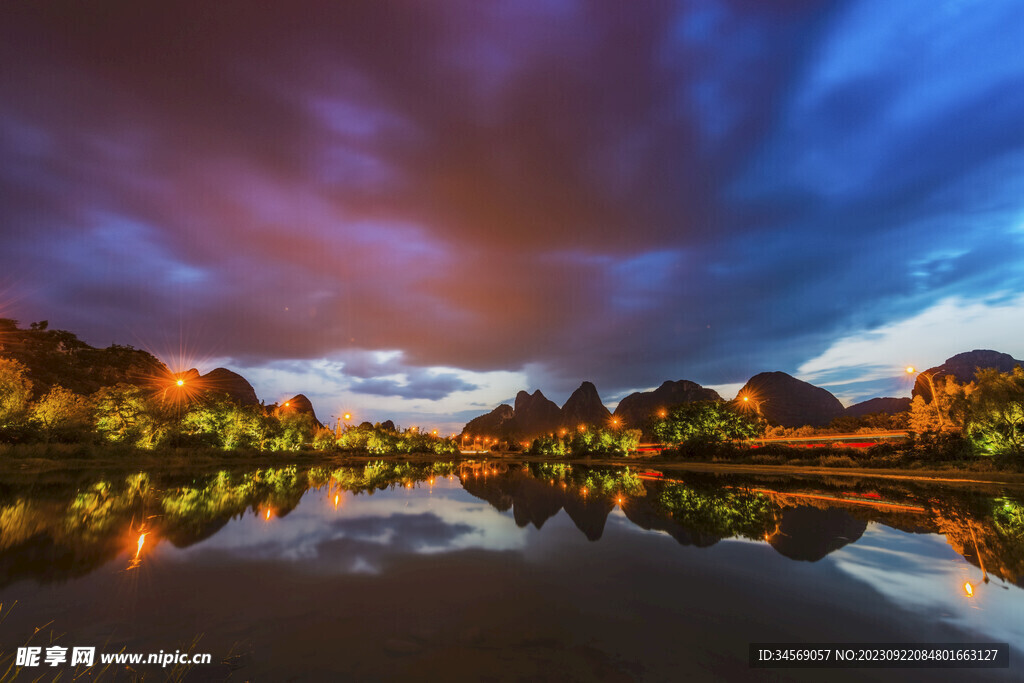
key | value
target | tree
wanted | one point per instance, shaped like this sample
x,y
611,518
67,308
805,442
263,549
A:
x,y
947,409
62,412
123,413
15,391
995,413
706,421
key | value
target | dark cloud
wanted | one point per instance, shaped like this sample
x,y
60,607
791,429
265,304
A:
x,y
621,192
432,386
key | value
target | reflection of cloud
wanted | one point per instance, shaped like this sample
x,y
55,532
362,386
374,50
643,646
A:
x,y
385,525
923,574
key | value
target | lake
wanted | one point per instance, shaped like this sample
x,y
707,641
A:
x,y
503,571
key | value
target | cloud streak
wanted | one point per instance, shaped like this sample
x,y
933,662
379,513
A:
x,y
566,191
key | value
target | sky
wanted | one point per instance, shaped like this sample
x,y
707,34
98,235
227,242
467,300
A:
x,y
413,210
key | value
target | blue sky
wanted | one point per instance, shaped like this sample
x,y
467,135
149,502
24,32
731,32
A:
x,y
414,210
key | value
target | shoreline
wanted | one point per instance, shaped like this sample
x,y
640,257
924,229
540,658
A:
x,y
200,463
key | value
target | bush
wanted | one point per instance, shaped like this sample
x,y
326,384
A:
x,y
836,461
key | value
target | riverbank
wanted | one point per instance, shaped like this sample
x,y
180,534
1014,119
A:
x,y
51,458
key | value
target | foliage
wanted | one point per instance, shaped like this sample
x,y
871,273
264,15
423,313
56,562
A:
x,y
124,413
873,422
63,414
946,411
380,440
705,422
995,413
719,512
612,482
588,442
1008,516
15,391
59,357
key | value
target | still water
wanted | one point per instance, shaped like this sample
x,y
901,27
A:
x,y
499,571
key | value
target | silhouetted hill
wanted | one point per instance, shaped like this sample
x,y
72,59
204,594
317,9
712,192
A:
x,y
59,357
222,381
637,409
963,366
890,406
584,407
809,534
298,404
785,400
535,415
495,424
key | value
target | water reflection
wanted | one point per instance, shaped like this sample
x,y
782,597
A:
x,y
59,530
504,570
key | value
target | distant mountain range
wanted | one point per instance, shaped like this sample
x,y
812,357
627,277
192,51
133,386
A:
x,y
780,398
59,357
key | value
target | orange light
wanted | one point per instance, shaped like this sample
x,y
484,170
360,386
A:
x,y
583,428
142,541
969,589
619,500
180,382
347,416
337,499
910,369
287,403
268,515
583,490
663,413
434,432
746,398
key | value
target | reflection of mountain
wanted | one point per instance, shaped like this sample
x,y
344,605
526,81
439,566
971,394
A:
x,y
535,501
70,529
809,534
588,513
532,501
642,513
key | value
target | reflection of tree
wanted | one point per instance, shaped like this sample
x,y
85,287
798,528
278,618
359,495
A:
x,y
67,529
718,512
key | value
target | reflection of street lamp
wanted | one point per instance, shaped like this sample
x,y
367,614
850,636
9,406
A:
x,y
935,394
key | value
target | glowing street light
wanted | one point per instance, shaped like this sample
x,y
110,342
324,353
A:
x,y
347,416
180,382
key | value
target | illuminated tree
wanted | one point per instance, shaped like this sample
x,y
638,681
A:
x,y
15,391
947,409
995,414
62,412
123,414
705,421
